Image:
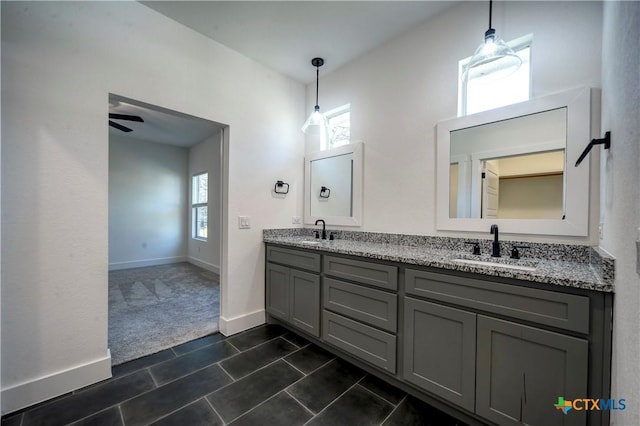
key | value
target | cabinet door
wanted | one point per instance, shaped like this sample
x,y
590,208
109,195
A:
x,y
305,301
278,291
521,372
440,350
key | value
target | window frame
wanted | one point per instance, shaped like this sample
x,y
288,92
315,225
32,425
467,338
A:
x,y
325,141
517,45
195,206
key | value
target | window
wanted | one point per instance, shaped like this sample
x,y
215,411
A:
x,y
339,120
199,207
482,94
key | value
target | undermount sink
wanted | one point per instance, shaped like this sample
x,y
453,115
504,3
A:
x,y
310,242
495,264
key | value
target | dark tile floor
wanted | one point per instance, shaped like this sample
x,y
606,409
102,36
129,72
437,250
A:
x,y
264,376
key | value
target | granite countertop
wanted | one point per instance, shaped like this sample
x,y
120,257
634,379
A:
x,y
574,272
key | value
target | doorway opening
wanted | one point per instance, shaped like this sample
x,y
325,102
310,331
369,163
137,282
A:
x,y
165,227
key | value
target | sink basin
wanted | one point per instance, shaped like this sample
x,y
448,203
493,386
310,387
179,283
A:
x,y
495,264
310,242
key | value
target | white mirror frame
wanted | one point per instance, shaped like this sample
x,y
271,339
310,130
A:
x,y
577,179
357,149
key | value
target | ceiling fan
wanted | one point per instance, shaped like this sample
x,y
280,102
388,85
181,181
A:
x,y
123,117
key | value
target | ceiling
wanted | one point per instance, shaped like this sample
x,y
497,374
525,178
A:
x,y
160,125
286,35
282,35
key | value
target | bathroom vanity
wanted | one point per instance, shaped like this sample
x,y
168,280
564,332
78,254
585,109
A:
x,y
490,340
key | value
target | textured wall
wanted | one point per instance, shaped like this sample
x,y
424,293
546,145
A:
x,y
205,156
60,61
400,90
147,203
621,193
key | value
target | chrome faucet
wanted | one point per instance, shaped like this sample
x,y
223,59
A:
x,y
324,231
495,247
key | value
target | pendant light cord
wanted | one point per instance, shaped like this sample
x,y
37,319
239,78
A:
x,y
317,83
490,12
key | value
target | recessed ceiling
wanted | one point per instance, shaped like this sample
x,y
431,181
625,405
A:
x,y
160,125
286,35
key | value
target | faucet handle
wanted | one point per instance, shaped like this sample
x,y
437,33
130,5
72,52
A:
x,y
515,254
476,247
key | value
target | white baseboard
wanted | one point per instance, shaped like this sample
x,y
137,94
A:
x,y
229,326
116,266
206,265
43,388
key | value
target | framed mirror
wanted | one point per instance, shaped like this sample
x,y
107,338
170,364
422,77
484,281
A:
x,y
333,185
514,166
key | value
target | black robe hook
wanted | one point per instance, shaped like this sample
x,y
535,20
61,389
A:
x,y
606,141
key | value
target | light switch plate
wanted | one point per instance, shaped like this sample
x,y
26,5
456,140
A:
x,y
244,222
296,220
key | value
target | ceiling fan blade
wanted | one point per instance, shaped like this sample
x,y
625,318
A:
x,y
126,117
119,127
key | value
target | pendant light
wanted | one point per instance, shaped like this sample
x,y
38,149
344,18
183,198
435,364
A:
x,y
316,124
493,59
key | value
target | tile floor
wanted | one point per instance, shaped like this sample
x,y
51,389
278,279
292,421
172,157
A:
x,y
264,376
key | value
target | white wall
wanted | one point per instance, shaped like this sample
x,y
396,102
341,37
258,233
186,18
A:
x,y
399,91
538,197
206,157
60,61
148,185
621,194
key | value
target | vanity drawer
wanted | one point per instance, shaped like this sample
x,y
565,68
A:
x,y
296,258
373,307
360,340
566,311
383,276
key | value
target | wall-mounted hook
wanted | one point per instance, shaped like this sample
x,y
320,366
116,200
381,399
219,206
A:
x,y
606,141
281,187
324,192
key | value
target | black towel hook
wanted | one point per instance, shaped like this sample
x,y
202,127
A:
x,y
281,187
606,141
324,192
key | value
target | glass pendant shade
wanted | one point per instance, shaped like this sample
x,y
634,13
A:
x,y
492,60
316,124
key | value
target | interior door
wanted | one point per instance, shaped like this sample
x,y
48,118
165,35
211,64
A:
x,y
490,189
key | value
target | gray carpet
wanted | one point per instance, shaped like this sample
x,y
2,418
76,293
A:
x,y
155,308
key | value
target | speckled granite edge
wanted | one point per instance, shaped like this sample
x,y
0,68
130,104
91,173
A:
x,y
603,264
577,272
546,251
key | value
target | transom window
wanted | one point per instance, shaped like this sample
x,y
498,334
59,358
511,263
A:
x,y
481,93
339,131
199,206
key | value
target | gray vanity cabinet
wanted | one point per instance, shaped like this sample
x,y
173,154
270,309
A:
x,y
440,350
360,315
293,294
495,350
504,371
278,291
522,370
